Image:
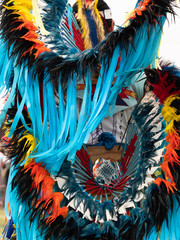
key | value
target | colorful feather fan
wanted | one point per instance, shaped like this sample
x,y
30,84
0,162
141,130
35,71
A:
x,y
54,190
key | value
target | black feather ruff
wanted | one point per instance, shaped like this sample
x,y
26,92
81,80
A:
x,y
17,147
125,36
168,76
23,182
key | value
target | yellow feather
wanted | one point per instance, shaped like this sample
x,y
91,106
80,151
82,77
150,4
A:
x,y
169,113
29,142
24,8
26,4
97,12
38,18
84,28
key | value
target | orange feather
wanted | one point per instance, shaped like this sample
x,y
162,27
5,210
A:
x,y
44,183
31,36
170,186
54,210
41,179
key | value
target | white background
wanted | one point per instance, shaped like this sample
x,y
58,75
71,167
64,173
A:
x,y
170,44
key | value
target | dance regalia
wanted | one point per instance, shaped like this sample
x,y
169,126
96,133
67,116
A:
x,y
54,191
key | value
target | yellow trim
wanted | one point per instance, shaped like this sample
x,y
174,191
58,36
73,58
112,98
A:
x,y
84,28
97,12
79,4
85,25
99,23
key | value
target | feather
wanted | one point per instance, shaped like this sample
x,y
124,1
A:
x,y
49,139
165,82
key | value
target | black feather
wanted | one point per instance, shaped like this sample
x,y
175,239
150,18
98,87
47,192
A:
x,y
17,148
159,204
23,182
